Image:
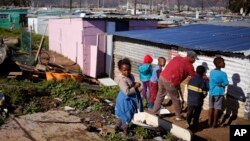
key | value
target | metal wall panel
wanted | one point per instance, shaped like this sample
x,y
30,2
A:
x,y
137,51
237,69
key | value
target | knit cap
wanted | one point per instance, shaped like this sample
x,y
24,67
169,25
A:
x,y
147,59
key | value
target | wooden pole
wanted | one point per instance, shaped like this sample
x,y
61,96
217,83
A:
x,y
40,45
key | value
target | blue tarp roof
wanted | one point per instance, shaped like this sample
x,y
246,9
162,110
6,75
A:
x,y
197,37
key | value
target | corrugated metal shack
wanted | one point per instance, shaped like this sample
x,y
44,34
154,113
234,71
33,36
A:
x,y
13,18
83,40
232,43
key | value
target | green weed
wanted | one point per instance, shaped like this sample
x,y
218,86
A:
x,y
108,92
97,106
6,33
33,107
65,89
115,137
36,39
143,133
80,104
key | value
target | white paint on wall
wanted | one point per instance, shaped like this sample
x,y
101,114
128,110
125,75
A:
x,y
109,55
93,60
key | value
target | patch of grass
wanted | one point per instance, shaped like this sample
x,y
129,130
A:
x,y
80,104
143,133
33,107
108,92
36,39
115,137
20,91
23,92
6,33
97,106
65,89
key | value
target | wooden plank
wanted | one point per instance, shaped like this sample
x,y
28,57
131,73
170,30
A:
x,y
15,73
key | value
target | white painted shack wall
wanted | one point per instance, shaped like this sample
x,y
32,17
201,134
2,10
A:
x,y
39,24
43,21
32,24
234,67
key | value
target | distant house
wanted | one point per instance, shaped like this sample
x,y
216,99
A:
x,y
232,43
38,24
39,20
83,40
13,18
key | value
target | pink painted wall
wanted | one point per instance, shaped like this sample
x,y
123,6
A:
x,y
65,37
73,38
143,24
90,32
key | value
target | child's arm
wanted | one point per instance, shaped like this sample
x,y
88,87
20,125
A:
x,y
205,87
128,90
224,81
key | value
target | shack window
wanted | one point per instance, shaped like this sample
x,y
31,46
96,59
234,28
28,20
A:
x,y
3,16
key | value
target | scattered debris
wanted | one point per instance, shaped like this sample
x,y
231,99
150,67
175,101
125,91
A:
x,y
107,82
109,102
58,99
106,130
67,108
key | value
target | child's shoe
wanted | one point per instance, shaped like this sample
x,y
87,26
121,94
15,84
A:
x,y
150,106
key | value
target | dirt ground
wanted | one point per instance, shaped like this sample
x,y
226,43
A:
x,y
54,125
203,132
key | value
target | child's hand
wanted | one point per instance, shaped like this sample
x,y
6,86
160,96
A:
x,y
204,77
219,85
137,85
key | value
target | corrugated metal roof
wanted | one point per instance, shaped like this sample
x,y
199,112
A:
x,y
124,17
198,37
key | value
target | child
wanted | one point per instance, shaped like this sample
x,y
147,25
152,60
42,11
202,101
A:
x,y
145,73
153,83
126,104
217,83
197,91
